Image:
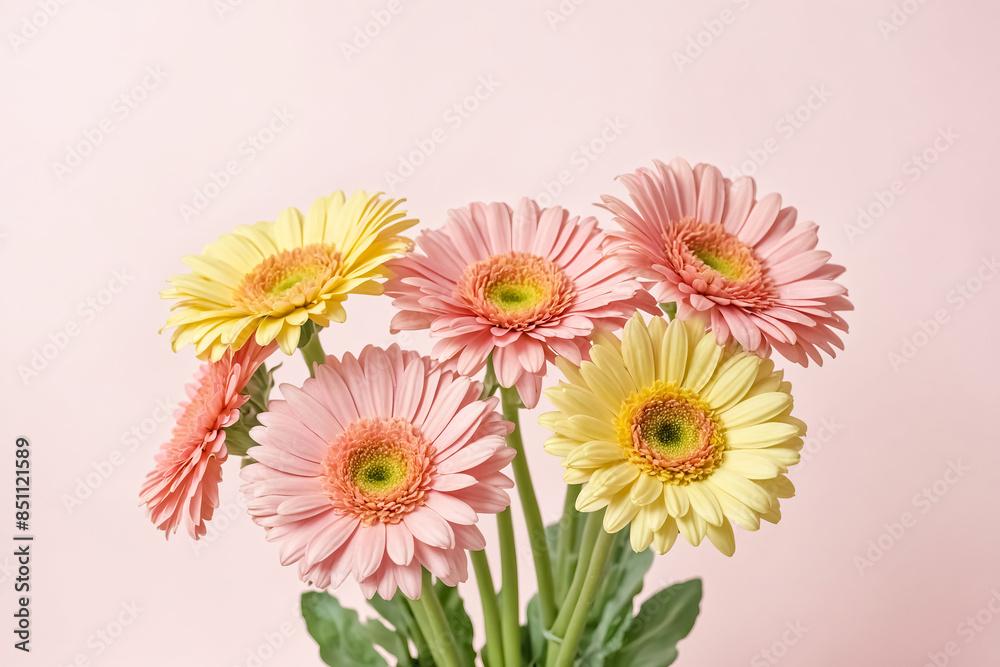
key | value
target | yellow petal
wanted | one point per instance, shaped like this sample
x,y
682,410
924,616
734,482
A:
x,y
722,537
703,362
646,489
757,436
734,383
756,410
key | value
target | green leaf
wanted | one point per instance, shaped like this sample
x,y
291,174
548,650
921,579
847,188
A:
x,y
534,647
341,636
670,309
623,581
662,621
397,612
306,332
611,612
238,439
458,620
392,641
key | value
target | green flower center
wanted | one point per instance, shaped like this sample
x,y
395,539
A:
x,y
515,290
515,297
669,432
293,279
378,472
287,279
730,268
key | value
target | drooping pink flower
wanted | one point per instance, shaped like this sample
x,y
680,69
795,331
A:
x,y
378,466
525,284
708,244
183,488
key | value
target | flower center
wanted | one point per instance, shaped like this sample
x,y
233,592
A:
x,y
288,279
378,469
720,258
670,433
515,290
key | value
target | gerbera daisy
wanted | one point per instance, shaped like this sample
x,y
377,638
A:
x,y
265,280
672,431
183,488
708,244
378,466
524,284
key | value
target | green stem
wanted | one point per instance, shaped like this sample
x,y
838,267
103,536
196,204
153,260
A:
x,y
592,582
430,616
510,614
313,353
591,531
568,526
529,504
491,609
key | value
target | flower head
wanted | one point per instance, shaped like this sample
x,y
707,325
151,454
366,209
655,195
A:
x,y
183,488
378,466
265,280
525,284
673,432
710,245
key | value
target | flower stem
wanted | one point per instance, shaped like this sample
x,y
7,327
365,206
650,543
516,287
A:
x,y
313,353
430,616
510,619
591,583
568,526
529,504
491,610
591,531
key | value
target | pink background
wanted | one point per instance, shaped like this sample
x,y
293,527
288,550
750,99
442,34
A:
x,y
889,433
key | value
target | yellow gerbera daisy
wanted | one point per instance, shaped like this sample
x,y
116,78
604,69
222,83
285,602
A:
x,y
672,432
267,279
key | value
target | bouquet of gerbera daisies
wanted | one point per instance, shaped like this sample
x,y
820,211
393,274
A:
x,y
378,466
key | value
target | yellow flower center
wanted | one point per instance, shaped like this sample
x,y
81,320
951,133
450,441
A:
x,y
288,280
669,432
515,290
378,469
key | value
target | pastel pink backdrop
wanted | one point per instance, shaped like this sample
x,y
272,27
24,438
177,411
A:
x,y
879,434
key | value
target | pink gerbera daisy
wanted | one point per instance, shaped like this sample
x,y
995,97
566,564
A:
x,y
378,466
708,244
183,488
524,284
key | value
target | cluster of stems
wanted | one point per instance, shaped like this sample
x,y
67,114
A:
x,y
568,580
